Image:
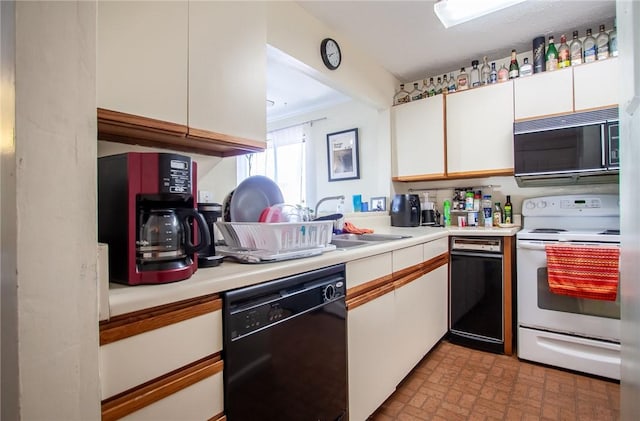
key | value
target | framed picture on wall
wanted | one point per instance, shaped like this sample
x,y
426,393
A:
x,y
342,155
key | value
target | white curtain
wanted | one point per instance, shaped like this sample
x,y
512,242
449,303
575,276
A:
x,y
284,161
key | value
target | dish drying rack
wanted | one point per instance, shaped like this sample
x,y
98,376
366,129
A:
x,y
258,241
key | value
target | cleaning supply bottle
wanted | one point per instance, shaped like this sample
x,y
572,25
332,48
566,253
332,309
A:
x,y
447,213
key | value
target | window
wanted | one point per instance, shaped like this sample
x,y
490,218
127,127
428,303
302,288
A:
x,y
284,161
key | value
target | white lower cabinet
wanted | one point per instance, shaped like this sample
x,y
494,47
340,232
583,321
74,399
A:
x,y
393,320
371,335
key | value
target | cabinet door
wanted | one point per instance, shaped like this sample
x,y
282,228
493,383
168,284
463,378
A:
x,y
436,300
418,133
227,68
543,94
480,131
141,63
596,84
371,338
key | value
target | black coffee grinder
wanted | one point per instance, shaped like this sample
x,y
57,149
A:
x,y
211,213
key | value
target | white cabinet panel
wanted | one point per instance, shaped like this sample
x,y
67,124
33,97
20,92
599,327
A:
x,y
544,94
435,248
371,336
480,129
436,301
198,402
134,360
596,84
141,61
368,269
227,68
418,133
407,257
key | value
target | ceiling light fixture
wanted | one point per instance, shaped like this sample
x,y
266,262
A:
x,y
454,12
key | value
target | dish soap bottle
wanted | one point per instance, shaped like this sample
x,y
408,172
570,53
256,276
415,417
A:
x,y
497,214
447,213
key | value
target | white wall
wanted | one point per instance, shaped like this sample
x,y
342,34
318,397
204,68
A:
x,y
49,291
375,149
628,13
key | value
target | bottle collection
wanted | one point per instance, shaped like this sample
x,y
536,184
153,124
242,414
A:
x,y
545,58
478,209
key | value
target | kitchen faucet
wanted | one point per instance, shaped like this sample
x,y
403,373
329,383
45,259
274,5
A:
x,y
324,199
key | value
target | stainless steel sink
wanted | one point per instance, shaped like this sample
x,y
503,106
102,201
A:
x,y
344,241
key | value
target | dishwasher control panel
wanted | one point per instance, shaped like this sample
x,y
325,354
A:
x,y
276,307
486,244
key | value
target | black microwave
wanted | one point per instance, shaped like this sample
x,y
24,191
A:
x,y
568,149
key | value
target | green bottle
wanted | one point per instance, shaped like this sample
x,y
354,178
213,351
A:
x,y
552,56
508,216
447,213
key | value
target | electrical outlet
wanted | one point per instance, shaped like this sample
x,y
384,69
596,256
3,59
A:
x,y
205,196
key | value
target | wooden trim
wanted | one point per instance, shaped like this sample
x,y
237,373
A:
x,y
408,271
218,417
404,280
434,263
144,395
131,324
508,294
248,145
423,177
481,174
115,126
364,288
369,296
444,132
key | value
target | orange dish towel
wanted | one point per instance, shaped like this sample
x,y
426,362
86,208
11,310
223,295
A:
x,y
583,271
352,229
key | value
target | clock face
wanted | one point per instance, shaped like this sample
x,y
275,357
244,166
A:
x,y
331,55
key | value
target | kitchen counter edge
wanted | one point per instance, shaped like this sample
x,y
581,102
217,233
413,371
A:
x,y
230,275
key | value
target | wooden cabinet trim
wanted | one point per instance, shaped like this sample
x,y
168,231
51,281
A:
x,y
131,324
480,174
115,126
407,271
507,259
434,263
371,295
402,281
135,399
218,417
423,177
368,286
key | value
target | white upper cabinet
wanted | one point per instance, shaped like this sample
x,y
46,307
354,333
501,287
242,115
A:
x,y
418,133
227,68
142,57
544,94
480,131
596,84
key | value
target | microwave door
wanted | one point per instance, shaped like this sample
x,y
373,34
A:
x,y
565,150
613,145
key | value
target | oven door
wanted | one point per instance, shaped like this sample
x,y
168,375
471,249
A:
x,y
538,308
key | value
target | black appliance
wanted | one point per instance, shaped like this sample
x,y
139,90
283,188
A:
x,y
476,309
146,214
568,149
211,213
285,351
405,210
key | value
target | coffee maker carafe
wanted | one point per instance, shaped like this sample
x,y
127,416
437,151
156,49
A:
x,y
147,216
211,213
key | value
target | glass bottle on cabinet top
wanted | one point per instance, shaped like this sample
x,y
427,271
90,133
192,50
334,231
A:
x,y
613,41
485,71
575,50
475,74
452,83
526,69
503,74
463,80
564,57
493,75
589,48
552,56
439,86
602,44
401,96
416,93
514,68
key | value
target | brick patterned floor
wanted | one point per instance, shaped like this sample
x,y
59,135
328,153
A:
x,y
457,383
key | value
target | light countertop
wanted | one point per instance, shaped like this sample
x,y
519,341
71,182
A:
x,y
229,275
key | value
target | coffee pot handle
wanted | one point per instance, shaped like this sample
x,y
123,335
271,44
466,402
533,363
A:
x,y
205,237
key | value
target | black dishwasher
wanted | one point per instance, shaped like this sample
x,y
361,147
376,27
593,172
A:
x,y
285,349
476,309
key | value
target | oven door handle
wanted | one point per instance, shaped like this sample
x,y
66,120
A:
x,y
530,245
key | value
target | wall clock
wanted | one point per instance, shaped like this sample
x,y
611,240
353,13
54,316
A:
x,y
330,52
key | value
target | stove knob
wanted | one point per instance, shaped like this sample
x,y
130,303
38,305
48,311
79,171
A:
x,y
329,292
530,205
542,204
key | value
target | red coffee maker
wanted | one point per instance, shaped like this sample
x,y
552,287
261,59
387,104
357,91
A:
x,y
147,215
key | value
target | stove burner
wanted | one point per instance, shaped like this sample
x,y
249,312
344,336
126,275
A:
x,y
610,232
547,231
